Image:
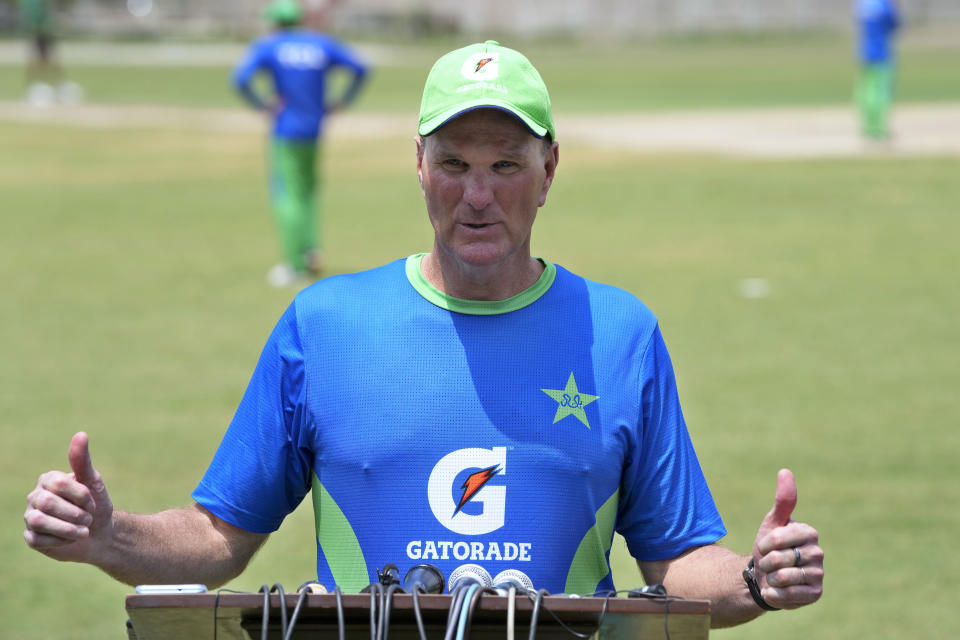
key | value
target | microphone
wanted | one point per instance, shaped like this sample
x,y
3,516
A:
x,y
390,574
385,577
425,576
512,578
467,574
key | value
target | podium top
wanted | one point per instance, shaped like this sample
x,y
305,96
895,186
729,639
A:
x,y
239,616
428,602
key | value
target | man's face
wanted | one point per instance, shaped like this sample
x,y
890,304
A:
x,y
484,175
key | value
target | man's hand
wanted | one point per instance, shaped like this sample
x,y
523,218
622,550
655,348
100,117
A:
x,y
787,556
68,514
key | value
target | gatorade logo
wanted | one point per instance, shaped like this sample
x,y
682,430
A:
x,y
461,479
482,67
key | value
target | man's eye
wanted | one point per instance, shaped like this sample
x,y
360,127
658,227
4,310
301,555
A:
x,y
452,163
505,166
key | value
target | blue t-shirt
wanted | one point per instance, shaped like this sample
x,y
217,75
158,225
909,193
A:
x,y
878,21
513,435
298,62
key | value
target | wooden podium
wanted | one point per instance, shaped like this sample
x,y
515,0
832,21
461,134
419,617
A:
x,y
238,616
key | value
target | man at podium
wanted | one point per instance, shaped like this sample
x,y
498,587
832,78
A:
x,y
492,407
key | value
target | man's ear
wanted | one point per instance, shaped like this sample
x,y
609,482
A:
x,y
420,150
550,159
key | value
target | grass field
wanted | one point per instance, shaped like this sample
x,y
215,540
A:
x,y
134,307
724,71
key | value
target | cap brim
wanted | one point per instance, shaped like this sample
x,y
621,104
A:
x,y
431,125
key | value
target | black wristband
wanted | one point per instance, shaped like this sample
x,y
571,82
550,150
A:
x,y
751,581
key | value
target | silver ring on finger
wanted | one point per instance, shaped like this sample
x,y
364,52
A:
x,y
796,556
803,576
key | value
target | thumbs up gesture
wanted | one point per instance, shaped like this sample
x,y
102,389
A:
x,y
69,513
788,560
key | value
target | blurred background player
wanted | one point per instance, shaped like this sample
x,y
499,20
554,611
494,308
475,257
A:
x,y
44,77
878,21
298,61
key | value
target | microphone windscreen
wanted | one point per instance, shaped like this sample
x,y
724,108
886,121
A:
x,y
512,578
426,576
467,574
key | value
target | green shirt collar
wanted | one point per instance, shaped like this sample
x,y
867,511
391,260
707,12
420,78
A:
x,y
478,307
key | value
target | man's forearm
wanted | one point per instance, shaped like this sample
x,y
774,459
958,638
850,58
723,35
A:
x,y
175,546
711,573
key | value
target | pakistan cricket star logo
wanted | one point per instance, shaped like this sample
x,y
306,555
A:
x,y
570,401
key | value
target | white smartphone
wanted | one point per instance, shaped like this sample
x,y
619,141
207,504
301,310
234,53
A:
x,y
171,588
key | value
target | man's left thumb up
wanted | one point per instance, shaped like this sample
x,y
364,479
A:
x,y
784,503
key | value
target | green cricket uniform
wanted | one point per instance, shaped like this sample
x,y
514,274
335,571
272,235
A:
x,y
297,62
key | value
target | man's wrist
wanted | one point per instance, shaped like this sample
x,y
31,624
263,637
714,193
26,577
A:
x,y
750,577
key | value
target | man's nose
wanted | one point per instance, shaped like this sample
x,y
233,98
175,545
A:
x,y
478,190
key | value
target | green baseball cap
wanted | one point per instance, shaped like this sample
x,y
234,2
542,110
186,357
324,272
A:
x,y
485,75
283,12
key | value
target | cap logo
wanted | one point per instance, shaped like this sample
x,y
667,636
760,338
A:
x,y
482,66
481,63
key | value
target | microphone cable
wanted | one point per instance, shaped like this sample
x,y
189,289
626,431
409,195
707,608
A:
x,y
535,614
376,597
571,630
417,590
422,578
470,605
301,598
216,606
465,606
265,620
511,611
384,630
265,613
311,586
341,626
453,614
656,592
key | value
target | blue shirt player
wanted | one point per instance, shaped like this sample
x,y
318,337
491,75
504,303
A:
x,y
298,62
877,21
